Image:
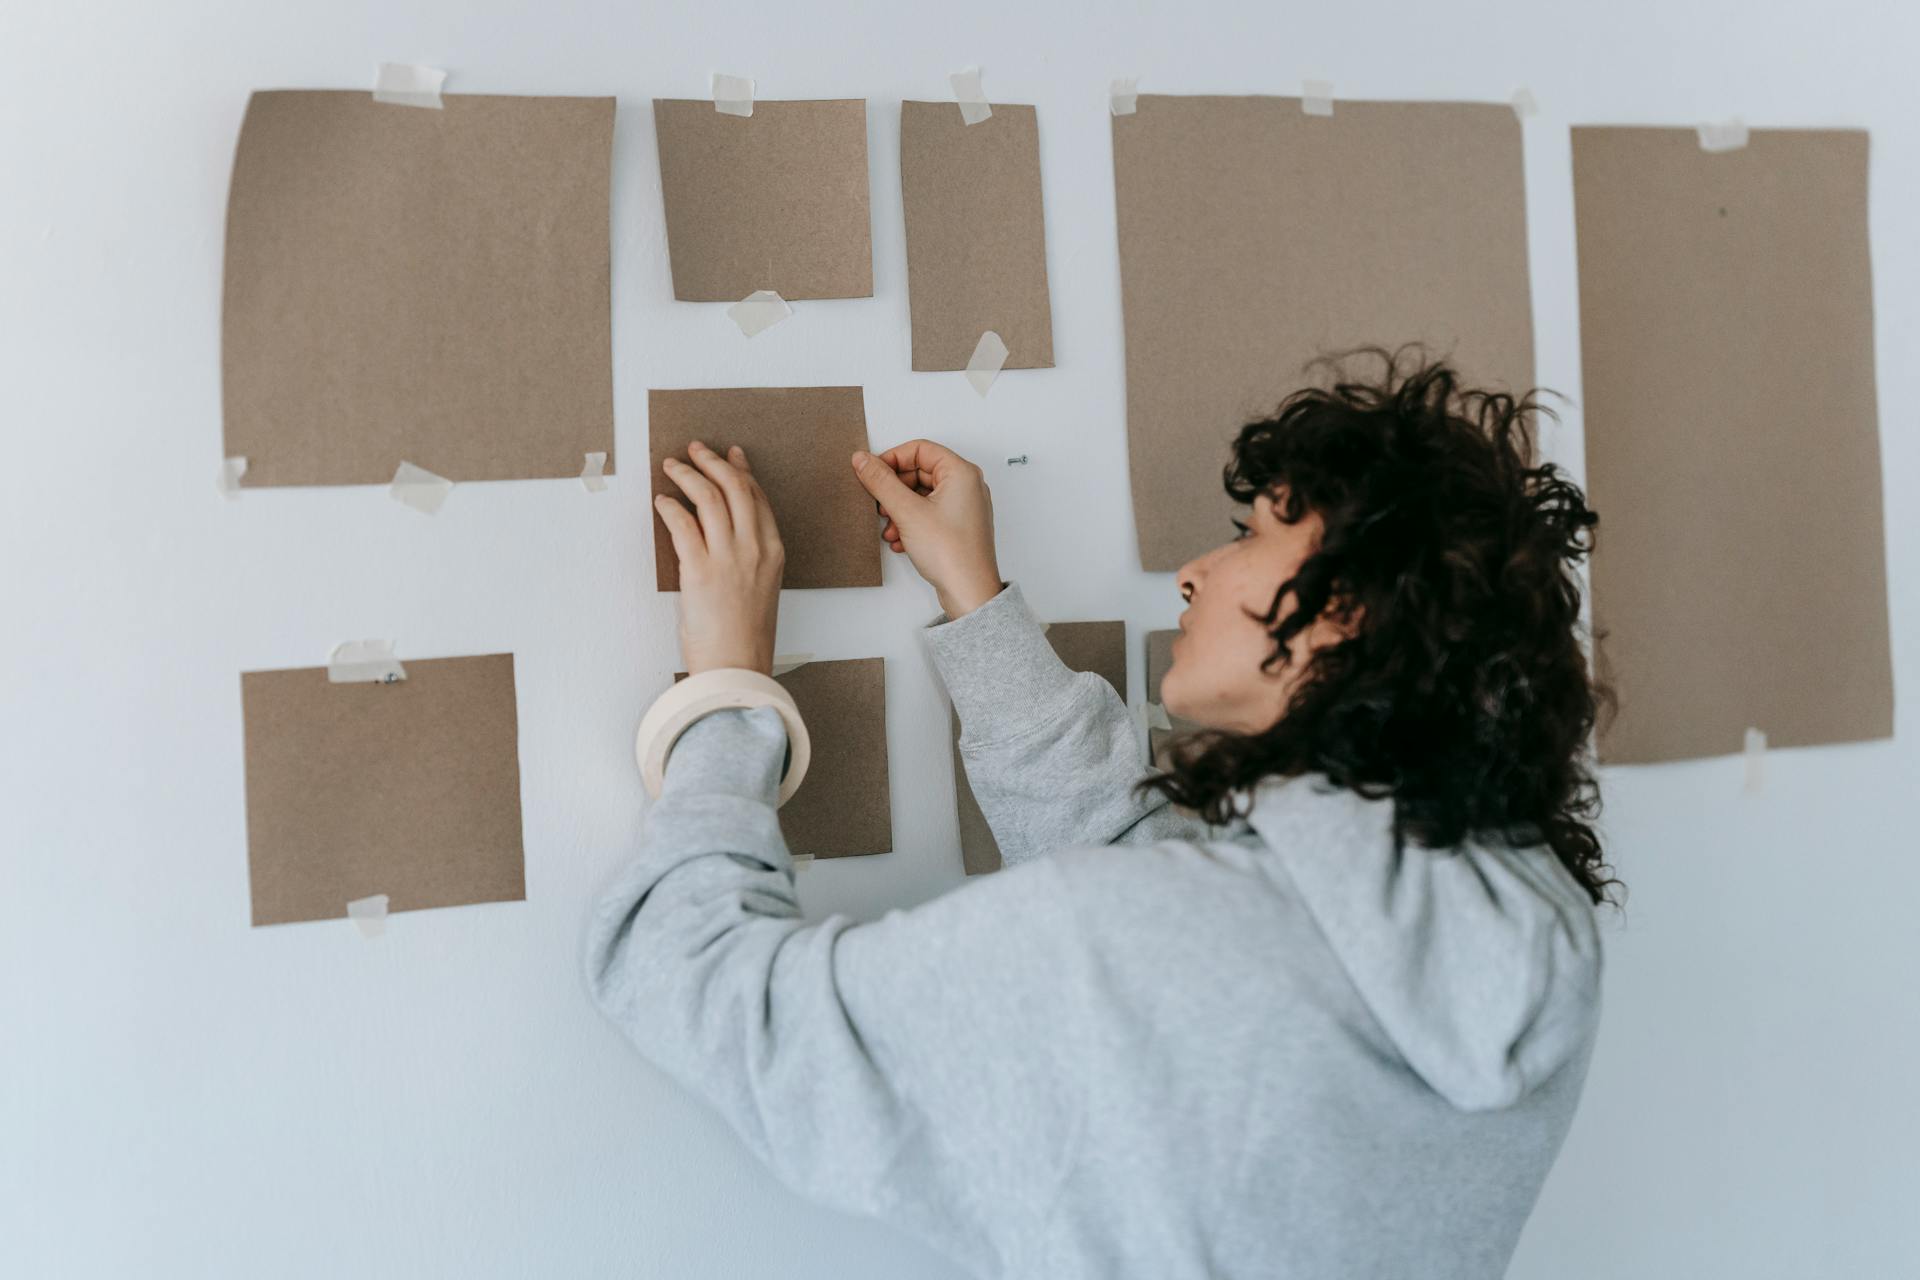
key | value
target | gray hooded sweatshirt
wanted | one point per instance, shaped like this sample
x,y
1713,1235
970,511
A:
x,y
1292,1047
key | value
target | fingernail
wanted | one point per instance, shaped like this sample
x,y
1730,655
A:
x,y
859,458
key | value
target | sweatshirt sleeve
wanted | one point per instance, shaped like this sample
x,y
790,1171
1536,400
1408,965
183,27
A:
x,y
845,1055
1050,752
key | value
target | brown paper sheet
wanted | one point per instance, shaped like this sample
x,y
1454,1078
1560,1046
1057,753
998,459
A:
x,y
1255,238
775,200
414,285
1159,659
799,442
1726,325
976,237
409,789
1099,647
844,806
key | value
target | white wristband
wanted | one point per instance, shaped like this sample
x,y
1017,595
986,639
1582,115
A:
x,y
717,690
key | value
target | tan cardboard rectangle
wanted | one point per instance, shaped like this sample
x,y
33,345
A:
x,y
1255,238
976,234
417,285
775,200
800,443
1732,432
1099,647
844,806
409,789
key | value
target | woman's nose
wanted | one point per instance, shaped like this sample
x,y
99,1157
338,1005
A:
x,y
1189,579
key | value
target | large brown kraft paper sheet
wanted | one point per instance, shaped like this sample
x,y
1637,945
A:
x,y
406,284
1255,238
1732,435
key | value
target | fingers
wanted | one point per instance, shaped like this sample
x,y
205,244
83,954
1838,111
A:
x,y
768,527
688,546
735,488
924,463
879,480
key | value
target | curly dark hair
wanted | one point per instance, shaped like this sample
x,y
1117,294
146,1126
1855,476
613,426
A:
x,y
1461,690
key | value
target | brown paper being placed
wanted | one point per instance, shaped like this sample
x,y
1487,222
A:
x,y
419,286
409,789
1159,659
1726,334
1099,647
1255,238
775,200
844,806
976,238
799,442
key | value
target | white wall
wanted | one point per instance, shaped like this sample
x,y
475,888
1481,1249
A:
x,y
181,1094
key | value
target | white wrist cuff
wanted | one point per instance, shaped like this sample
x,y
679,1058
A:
x,y
717,690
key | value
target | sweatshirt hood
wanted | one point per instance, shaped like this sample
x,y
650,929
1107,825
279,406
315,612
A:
x,y
1481,962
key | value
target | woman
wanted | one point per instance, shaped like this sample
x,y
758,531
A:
x,y
1318,1001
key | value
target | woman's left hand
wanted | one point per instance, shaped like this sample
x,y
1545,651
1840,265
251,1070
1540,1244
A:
x,y
730,561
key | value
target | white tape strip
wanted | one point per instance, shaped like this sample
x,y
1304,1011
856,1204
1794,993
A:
x,y
419,488
732,95
1316,97
785,662
364,662
971,97
594,474
1756,760
369,915
230,472
1157,717
405,85
1123,98
759,311
1728,135
989,357
1524,104
801,861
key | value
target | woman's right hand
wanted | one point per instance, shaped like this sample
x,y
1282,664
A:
x,y
940,514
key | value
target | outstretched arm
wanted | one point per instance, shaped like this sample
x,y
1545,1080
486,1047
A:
x,y
1051,752
830,1047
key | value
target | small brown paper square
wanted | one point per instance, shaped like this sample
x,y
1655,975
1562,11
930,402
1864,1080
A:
x,y
1099,647
775,200
1255,238
800,443
414,285
976,237
844,806
409,789
1733,452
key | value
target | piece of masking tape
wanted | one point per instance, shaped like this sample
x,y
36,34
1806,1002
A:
x,y
1316,97
1157,717
405,85
364,662
759,311
989,357
419,488
1524,104
1123,98
594,474
785,662
971,97
369,915
1728,135
230,472
732,95
801,861
1756,760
